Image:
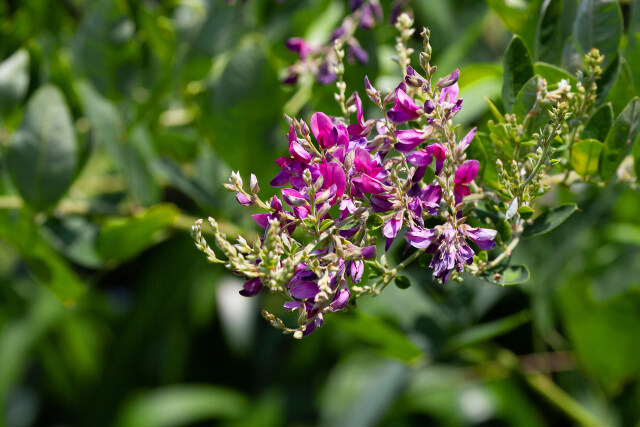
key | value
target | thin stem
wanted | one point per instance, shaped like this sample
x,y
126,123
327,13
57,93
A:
x,y
507,252
407,261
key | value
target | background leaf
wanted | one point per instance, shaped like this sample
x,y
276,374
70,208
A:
x,y
619,139
599,24
518,69
43,152
549,220
124,238
599,124
14,79
549,34
584,157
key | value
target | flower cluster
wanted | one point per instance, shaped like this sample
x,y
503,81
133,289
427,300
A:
x,y
341,181
322,60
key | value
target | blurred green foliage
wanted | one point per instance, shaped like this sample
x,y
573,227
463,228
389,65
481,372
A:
x,y
120,119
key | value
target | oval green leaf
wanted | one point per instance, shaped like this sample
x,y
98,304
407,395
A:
x,y
599,123
518,69
549,220
402,282
123,239
584,157
43,152
553,74
598,24
514,274
549,34
619,139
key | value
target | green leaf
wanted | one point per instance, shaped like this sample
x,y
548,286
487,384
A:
x,y
623,89
619,139
599,123
598,24
402,282
549,34
608,78
179,405
518,70
373,331
75,237
584,157
525,102
549,220
43,152
46,265
553,74
525,212
14,79
123,239
599,331
486,331
514,274
133,157
636,158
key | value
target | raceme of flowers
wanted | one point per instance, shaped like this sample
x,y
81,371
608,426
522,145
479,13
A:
x,y
341,182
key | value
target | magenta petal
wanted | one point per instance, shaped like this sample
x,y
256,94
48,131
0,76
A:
x,y
391,227
483,237
420,158
449,94
466,140
299,153
341,299
404,109
305,290
321,126
466,172
408,140
362,161
420,238
281,179
371,185
291,305
369,252
261,219
243,200
332,173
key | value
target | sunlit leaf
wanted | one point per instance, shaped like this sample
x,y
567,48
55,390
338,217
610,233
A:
x,y
619,139
43,152
122,239
179,405
584,157
549,220
514,274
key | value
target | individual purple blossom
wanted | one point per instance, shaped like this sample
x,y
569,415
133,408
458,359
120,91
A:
x,y
244,200
251,287
326,75
299,46
465,141
360,128
463,177
431,197
355,52
390,229
333,174
404,109
295,149
424,157
408,139
326,132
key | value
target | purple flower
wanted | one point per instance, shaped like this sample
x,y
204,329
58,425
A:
x,y
356,269
359,129
296,150
325,74
355,52
449,80
483,237
381,203
424,157
251,287
464,175
420,238
333,174
299,46
390,229
431,197
244,200
409,139
326,132
369,252
404,109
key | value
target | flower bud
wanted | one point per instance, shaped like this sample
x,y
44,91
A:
x,y
253,183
